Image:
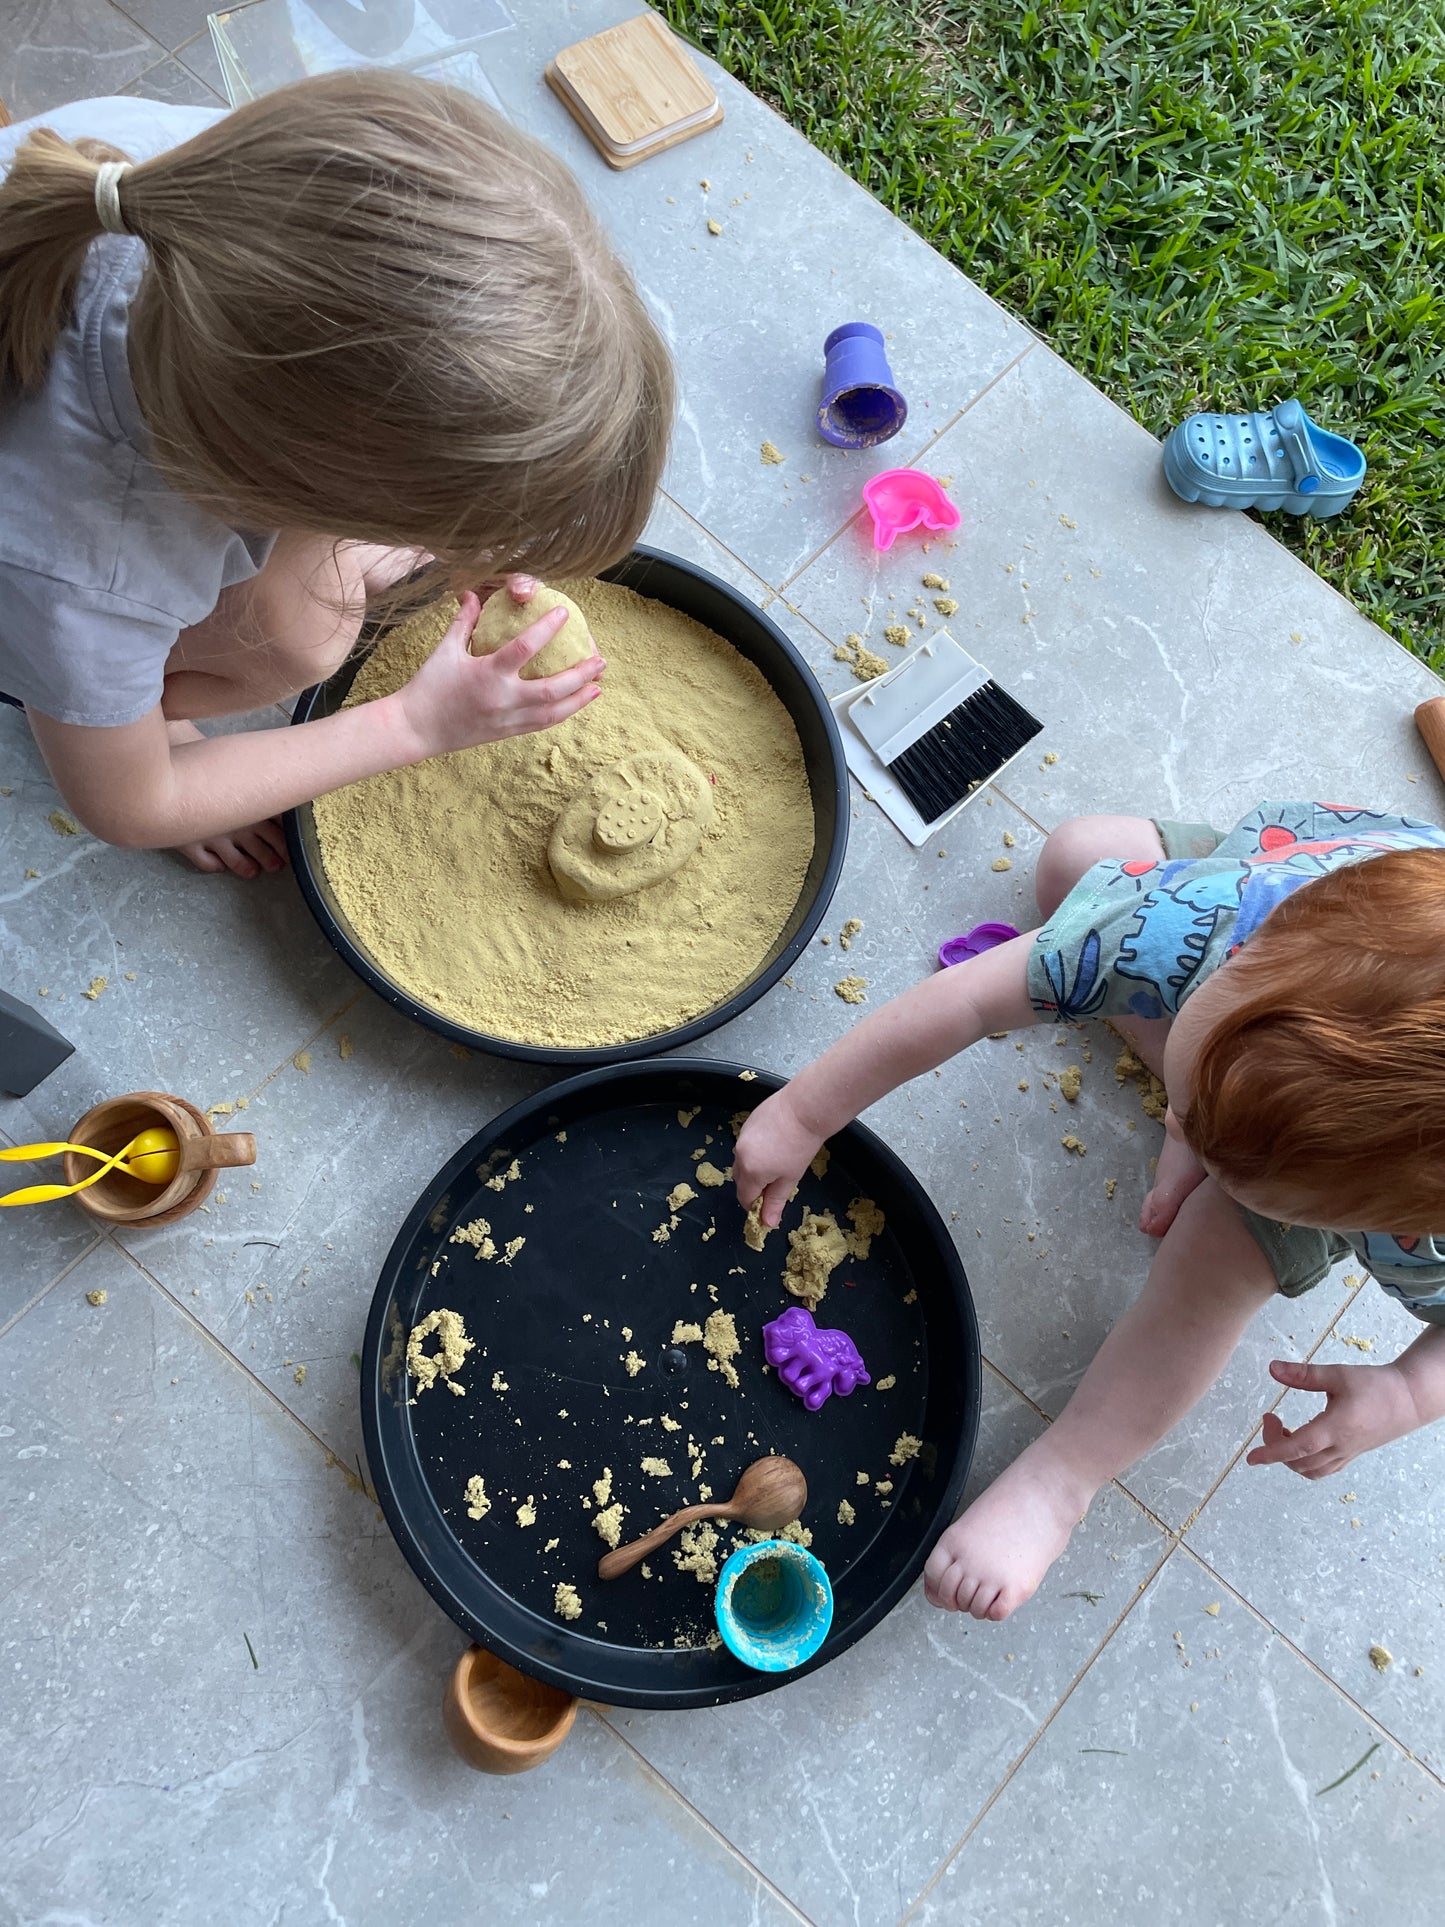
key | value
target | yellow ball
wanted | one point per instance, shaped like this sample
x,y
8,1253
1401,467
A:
x,y
155,1156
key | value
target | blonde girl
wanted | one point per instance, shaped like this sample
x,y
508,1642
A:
x,y
247,385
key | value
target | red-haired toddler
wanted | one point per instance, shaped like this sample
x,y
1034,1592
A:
x,y
1287,982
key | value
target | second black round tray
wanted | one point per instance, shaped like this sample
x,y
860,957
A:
x,y
550,1400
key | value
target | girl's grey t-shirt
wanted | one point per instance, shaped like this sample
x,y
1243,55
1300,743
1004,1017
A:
x,y
101,563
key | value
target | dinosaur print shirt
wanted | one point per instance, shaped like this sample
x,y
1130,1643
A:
x,y
1137,939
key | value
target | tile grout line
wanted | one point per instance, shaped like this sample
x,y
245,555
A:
x,y
1011,1771
930,443
50,1284
1253,1431
717,542
1372,1719
333,1458
733,1851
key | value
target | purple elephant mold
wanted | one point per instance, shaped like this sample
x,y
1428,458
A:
x,y
812,1364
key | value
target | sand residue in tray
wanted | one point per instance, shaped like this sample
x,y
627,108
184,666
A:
x,y
442,869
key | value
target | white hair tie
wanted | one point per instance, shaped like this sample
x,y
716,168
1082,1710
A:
x,y
107,195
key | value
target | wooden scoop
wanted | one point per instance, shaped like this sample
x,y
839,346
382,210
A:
x,y
770,1493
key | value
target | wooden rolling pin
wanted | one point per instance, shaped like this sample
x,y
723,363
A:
x,y
1430,721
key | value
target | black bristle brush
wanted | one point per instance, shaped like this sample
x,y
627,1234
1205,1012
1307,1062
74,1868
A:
x,y
941,726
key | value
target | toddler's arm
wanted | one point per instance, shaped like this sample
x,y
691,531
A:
x,y
936,1019
1365,1406
132,786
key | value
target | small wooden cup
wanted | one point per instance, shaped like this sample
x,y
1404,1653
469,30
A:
x,y
498,1719
118,1198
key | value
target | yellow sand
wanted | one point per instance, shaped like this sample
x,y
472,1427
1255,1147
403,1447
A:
x,y
442,869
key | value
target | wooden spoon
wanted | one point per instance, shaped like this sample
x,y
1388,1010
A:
x,y
770,1493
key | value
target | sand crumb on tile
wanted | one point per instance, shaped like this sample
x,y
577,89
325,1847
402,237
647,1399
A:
x,y
299,1374
96,1297
566,1602
62,824
302,1061
1381,1658
851,989
1074,1145
849,932
1001,863
477,1503
898,633
1111,1185
946,605
98,986
863,662
1071,1080
770,455
934,581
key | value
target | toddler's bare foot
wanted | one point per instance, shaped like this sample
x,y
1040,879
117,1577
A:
x,y
991,1561
1179,1172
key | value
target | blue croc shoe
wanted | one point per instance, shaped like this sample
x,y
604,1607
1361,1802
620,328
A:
x,y
1279,460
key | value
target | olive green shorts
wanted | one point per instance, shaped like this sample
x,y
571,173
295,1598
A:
x,y
1299,1255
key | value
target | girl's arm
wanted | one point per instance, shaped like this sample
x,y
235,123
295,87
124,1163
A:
x,y
936,1019
132,786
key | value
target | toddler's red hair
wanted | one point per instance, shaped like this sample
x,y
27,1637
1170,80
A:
x,y
1322,1089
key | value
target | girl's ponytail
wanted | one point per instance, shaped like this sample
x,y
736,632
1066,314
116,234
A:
x,y
370,307
48,218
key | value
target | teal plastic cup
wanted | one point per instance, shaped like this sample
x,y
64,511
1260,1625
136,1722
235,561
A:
x,y
774,1605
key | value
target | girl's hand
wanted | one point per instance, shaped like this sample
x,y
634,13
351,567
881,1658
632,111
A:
x,y
456,700
774,1149
1365,1406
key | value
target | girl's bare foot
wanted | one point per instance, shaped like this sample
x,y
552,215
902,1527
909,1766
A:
x,y
245,853
992,1560
1178,1173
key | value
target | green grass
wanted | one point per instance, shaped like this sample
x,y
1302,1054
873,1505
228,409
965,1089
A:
x,y
1200,206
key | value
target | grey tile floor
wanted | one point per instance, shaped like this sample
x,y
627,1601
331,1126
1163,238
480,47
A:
x,y
1121,1751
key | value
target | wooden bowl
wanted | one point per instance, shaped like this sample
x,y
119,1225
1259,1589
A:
x,y
499,1719
118,1198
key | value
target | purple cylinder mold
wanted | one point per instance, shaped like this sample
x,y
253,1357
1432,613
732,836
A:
x,y
860,405
812,1364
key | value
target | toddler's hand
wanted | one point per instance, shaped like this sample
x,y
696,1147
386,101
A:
x,y
1366,1406
774,1149
456,700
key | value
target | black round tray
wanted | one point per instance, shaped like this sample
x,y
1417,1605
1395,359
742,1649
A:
x,y
550,1327
681,585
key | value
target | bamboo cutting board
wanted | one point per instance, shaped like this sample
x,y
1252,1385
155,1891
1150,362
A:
x,y
633,91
